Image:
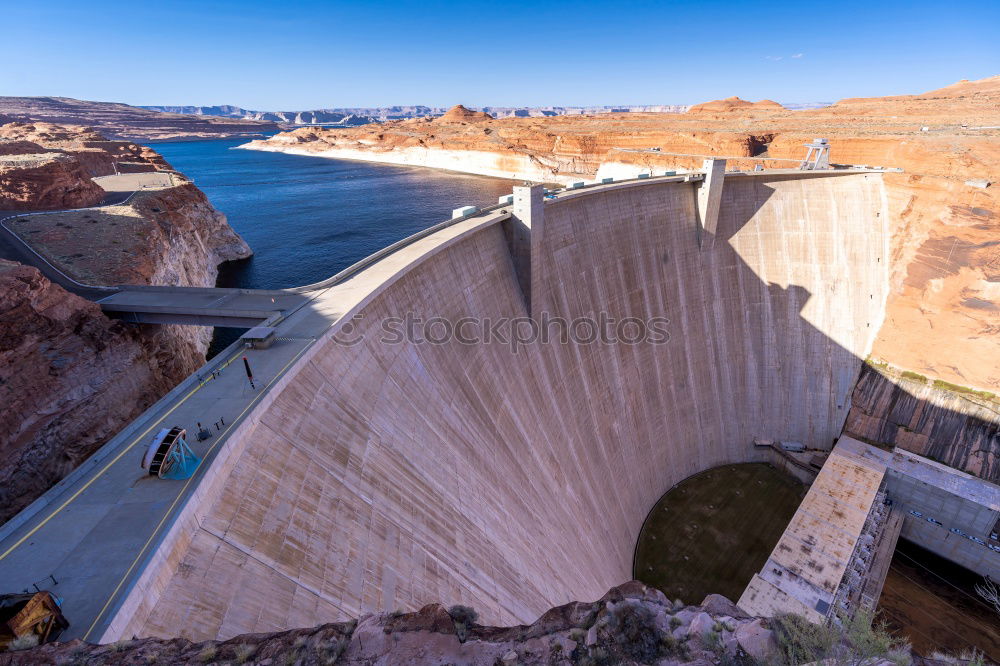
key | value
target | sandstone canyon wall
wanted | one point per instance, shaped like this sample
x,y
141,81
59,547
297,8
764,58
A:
x,y
69,376
952,425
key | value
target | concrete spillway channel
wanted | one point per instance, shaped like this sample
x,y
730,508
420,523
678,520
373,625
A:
x,y
373,469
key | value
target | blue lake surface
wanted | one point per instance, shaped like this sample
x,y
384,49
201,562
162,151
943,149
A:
x,y
307,218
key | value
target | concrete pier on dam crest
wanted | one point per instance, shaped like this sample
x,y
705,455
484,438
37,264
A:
x,y
381,476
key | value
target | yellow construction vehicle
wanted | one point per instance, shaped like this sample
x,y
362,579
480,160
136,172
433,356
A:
x,y
32,619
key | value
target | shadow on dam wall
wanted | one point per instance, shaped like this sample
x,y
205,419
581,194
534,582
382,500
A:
x,y
390,475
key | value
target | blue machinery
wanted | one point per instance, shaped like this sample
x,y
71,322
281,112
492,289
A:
x,y
169,456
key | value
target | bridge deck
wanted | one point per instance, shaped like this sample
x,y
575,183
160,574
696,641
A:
x,y
238,308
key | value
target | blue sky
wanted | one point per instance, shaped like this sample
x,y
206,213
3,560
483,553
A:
x,y
292,55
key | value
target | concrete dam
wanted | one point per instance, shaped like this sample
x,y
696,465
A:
x,y
376,474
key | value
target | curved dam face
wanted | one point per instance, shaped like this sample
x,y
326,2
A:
x,y
388,474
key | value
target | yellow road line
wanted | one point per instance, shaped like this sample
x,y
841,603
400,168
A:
x,y
183,489
108,466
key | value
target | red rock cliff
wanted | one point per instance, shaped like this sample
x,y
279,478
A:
x,y
941,317
69,378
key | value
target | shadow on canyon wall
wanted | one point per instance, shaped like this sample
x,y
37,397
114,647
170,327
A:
x,y
959,429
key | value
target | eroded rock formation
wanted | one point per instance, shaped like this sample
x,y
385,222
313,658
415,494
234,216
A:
x,y
69,378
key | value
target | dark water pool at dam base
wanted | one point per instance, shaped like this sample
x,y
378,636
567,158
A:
x,y
713,531
307,218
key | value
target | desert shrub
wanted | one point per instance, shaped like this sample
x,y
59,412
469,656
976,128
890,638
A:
x,y
966,658
675,622
800,641
859,640
244,652
331,650
25,642
463,617
633,634
915,376
901,658
956,388
121,646
713,640
866,639
463,614
208,653
975,658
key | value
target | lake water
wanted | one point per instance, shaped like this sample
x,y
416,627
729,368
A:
x,y
307,218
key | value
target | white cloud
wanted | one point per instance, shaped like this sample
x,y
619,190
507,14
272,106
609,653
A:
x,y
772,57
798,55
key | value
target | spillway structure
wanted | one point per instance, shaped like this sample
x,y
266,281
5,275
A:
x,y
383,472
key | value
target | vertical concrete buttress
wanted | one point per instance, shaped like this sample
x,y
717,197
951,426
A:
x,y
522,230
709,194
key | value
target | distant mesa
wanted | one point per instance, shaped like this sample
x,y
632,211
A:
x,y
460,114
735,104
121,121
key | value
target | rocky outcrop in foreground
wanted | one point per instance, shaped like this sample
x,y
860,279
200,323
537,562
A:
x,y
631,624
